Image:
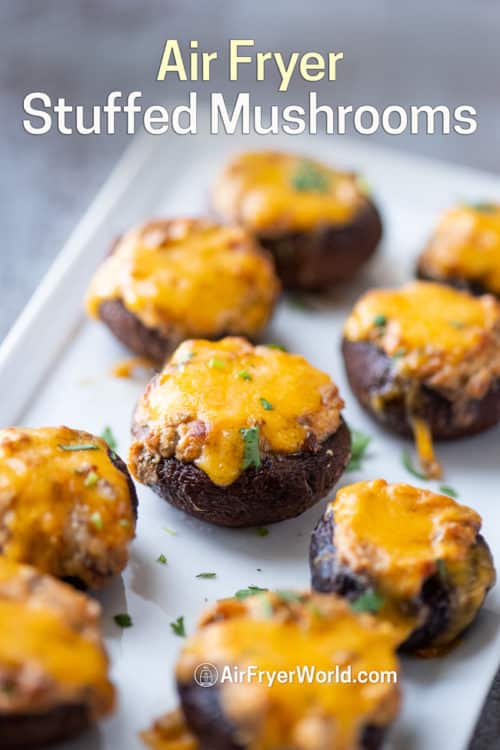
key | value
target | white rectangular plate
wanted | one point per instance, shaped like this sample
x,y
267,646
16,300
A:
x,y
55,368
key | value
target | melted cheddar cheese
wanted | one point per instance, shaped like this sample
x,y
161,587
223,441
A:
x,y
67,512
466,245
276,632
398,536
425,448
271,193
170,732
188,277
51,653
448,339
209,392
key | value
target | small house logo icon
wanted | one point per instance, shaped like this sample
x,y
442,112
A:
x,y
206,675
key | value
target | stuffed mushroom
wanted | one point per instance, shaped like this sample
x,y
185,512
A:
x,y
319,223
414,557
53,667
169,280
239,435
283,633
464,250
67,504
424,360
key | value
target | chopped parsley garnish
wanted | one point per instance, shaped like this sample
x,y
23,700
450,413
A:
x,y
262,531
309,178
408,464
399,353
266,404
277,346
379,321
178,627
123,620
91,479
161,559
370,601
244,375
447,490
124,522
359,445
363,184
96,519
83,447
206,575
170,531
250,591
216,364
441,568
107,435
251,454
314,610
483,207
291,597
266,607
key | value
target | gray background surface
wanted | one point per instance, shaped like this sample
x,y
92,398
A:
x,y
396,53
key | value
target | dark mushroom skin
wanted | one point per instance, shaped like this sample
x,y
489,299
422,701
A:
x,y
240,459
130,330
317,260
282,487
464,285
429,616
204,710
85,500
372,377
464,250
40,705
319,223
168,280
23,731
205,717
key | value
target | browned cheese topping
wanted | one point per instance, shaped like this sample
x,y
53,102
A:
x,y
224,404
447,339
399,536
273,193
188,278
51,653
466,246
64,506
289,631
436,336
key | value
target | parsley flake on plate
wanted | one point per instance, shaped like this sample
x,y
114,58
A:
x,y
359,446
123,620
408,464
178,627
